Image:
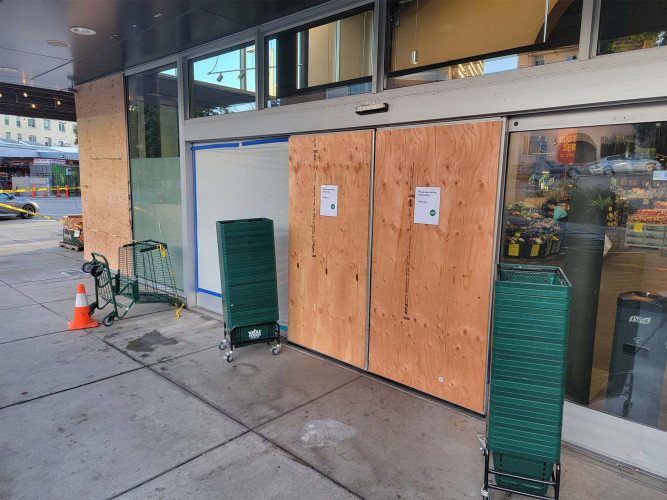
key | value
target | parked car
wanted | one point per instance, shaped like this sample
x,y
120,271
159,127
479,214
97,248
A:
x,y
620,164
18,202
554,168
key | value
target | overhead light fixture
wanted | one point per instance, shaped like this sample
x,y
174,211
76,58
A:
x,y
57,43
113,36
25,94
0,94
241,74
134,26
81,30
58,103
158,14
6,68
220,77
33,106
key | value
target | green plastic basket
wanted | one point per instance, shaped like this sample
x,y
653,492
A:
x,y
530,329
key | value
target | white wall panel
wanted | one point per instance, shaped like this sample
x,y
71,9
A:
x,y
239,181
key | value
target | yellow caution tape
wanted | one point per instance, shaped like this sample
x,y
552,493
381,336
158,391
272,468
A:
x,y
56,188
163,252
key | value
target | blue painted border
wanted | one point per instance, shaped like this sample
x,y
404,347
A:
x,y
216,146
194,179
264,141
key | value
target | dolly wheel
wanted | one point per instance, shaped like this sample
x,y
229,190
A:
x,y
97,270
229,358
108,319
223,345
87,267
275,350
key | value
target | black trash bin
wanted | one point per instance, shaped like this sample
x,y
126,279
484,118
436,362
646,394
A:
x,y
638,356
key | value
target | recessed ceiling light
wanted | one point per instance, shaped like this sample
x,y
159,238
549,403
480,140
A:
x,y
113,36
33,106
158,14
133,26
25,94
57,43
80,30
5,68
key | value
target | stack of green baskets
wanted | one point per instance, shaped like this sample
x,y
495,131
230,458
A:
x,y
248,278
530,328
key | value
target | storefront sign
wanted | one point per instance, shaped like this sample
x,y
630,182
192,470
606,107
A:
x,y
567,145
48,161
329,200
427,205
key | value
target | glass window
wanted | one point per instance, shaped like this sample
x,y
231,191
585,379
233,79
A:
x,y
32,138
322,61
61,126
632,25
223,83
6,119
18,121
47,141
451,39
155,167
8,135
31,122
47,124
593,201
19,137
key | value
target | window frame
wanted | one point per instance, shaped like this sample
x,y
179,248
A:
x,y
32,123
47,124
189,115
368,7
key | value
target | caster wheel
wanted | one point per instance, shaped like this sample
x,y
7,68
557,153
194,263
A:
x,y
97,270
87,267
92,307
275,350
108,319
229,358
223,345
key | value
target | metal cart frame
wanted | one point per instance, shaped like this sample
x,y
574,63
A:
x,y
107,289
231,337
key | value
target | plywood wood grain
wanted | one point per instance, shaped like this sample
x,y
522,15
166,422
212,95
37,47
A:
x,y
103,160
328,256
430,288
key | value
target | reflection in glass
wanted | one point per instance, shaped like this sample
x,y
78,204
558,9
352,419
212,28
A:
x,y
450,39
632,25
223,83
593,201
321,62
155,173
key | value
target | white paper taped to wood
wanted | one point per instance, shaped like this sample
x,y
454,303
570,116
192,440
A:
x,y
329,200
427,205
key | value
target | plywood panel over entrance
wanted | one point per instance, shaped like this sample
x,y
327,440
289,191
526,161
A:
x,y
431,284
328,256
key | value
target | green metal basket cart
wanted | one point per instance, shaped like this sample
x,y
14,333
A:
x,y
530,328
249,287
144,275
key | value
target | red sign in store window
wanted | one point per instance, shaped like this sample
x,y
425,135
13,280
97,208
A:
x,y
567,146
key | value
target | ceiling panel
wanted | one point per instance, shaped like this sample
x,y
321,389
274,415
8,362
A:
x,y
26,25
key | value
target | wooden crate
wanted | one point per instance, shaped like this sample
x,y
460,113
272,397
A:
x,y
328,256
431,285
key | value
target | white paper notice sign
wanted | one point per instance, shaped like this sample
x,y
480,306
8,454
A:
x,y
427,205
660,175
329,200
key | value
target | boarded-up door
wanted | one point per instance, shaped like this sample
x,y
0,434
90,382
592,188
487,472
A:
x,y
328,256
431,283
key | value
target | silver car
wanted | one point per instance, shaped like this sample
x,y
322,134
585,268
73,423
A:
x,y
620,164
18,202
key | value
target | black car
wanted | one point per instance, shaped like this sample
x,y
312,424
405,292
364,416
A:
x,y
554,169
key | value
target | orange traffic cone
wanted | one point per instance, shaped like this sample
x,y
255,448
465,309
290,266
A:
x,y
82,317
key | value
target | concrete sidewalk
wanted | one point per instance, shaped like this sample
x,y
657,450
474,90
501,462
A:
x,y
149,408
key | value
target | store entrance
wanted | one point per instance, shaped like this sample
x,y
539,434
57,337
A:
x,y
593,201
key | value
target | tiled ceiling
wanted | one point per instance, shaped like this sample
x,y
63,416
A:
x,y
129,32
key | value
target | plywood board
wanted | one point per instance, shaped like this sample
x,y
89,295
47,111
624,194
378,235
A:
x,y
103,161
328,256
430,284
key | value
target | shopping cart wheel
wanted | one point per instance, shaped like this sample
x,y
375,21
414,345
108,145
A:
x,y
97,270
92,307
275,349
108,319
87,267
229,358
223,345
